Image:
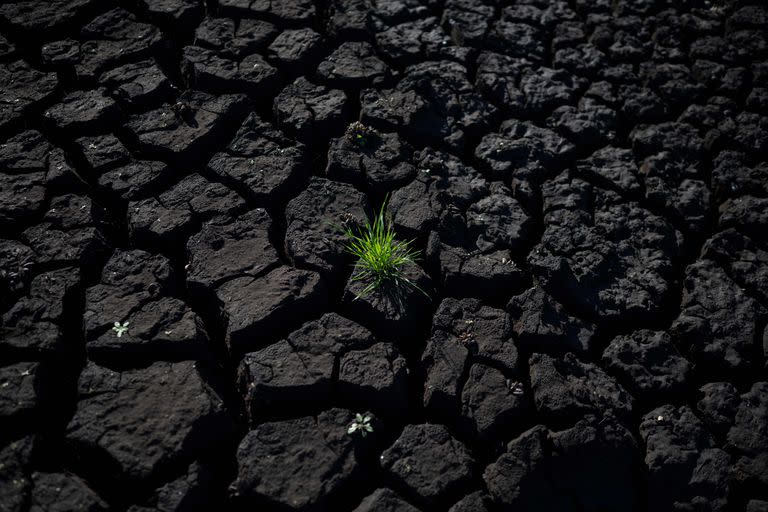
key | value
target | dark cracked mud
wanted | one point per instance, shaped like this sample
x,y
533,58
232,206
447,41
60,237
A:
x,y
586,180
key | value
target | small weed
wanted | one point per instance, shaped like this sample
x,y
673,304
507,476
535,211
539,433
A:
x,y
359,134
361,424
380,256
120,329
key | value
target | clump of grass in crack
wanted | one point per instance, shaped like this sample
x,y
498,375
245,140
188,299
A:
x,y
381,258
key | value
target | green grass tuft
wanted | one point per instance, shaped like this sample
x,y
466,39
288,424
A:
x,y
381,258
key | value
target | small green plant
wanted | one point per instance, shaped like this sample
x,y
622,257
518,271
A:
x,y
381,258
361,424
120,329
359,134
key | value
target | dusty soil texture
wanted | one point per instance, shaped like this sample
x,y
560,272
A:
x,y
586,181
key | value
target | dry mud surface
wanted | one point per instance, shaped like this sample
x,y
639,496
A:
x,y
586,180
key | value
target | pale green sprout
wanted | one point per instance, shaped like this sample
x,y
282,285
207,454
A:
x,y
361,424
120,329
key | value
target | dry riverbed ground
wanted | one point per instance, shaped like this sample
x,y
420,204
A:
x,y
586,180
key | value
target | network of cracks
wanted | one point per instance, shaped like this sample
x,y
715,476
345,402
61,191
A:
x,y
585,181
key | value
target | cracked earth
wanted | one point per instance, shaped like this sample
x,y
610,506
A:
x,y
586,181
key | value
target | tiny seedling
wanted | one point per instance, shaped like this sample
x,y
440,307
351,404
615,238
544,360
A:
x,y
120,329
361,424
381,258
359,134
